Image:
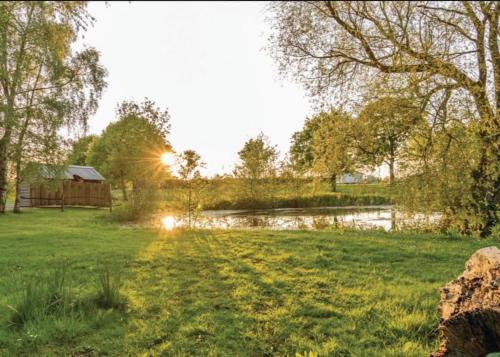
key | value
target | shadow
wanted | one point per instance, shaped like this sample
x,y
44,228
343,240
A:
x,y
179,295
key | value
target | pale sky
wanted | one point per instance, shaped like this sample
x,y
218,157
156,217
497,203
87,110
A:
x,y
204,61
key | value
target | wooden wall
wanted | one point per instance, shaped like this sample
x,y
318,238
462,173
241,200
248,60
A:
x,y
24,191
72,193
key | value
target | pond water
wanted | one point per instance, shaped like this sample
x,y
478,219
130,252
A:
x,y
384,217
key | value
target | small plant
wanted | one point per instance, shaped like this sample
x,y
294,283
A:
x,y
108,290
59,296
28,304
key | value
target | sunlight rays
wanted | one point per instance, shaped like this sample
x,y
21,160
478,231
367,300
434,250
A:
x,y
168,159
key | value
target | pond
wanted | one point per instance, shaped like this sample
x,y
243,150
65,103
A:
x,y
365,217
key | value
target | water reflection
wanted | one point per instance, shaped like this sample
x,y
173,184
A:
x,y
169,222
383,217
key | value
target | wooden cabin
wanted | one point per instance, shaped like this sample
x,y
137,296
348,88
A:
x,y
77,186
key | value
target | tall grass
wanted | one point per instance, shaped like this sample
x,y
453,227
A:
x,y
40,297
53,296
108,290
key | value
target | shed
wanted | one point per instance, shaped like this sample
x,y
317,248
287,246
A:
x,y
77,186
354,177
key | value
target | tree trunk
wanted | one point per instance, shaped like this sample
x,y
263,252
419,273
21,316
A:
x,y
3,171
17,203
18,158
124,189
393,219
486,184
333,183
189,204
392,176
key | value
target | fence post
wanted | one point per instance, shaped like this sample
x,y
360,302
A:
x,y
62,197
110,199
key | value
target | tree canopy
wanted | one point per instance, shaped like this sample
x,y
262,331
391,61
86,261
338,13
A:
x,y
258,161
332,148
301,153
257,158
79,149
44,84
382,129
442,51
128,151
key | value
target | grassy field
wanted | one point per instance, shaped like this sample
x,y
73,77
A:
x,y
220,293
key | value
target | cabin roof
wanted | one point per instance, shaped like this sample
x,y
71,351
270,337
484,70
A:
x,y
85,172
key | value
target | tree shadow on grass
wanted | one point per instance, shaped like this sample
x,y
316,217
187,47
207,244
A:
x,y
247,293
180,302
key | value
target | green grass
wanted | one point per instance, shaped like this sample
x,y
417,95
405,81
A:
x,y
327,199
229,194
224,293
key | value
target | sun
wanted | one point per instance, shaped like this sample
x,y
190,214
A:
x,y
167,159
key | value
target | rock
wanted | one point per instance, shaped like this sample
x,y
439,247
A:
x,y
470,308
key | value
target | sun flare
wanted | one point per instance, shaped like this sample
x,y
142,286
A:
x,y
167,159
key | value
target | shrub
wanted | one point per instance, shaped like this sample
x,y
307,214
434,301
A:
x,y
143,202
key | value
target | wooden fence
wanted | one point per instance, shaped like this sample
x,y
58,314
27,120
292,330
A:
x,y
72,193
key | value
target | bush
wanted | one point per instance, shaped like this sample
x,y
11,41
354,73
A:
x,y
143,202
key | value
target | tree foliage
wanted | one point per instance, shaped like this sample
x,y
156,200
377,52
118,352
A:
x,y
442,51
258,162
128,151
301,152
382,130
79,149
44,84
332,147
190,163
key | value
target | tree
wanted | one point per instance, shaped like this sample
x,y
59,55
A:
x,y
436,168
294,174
438,49
189,171
301,153
331,147
383,127
44,84
257,162
129,150
79,149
